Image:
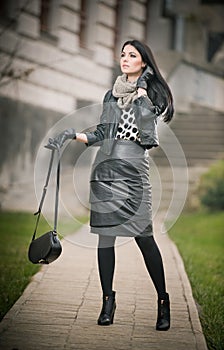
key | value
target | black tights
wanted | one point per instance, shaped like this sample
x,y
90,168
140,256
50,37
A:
x,y
151,255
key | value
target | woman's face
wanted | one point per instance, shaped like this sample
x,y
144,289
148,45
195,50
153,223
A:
x,y
131,62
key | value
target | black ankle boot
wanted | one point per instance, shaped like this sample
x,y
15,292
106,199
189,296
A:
x,y
163,318
107,313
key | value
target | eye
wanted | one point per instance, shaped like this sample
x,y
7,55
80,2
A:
x,y
132,55
122,54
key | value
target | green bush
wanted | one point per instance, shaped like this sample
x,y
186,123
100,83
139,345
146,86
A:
x,y
211,187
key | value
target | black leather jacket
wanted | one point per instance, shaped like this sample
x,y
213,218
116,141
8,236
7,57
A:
x,y
145,116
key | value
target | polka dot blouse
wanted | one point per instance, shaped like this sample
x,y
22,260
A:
x,y
127,128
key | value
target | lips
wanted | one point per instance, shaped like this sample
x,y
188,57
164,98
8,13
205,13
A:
x,y
125,66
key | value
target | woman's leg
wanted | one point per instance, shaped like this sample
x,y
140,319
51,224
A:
x,y
154,264
106,263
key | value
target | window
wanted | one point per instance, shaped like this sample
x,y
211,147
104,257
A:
x,y
83,24
117,29
87,28
49,17
9,10
212,2
44,15
215,42
168,8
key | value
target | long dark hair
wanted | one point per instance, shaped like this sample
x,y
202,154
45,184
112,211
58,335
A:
x,y
158,90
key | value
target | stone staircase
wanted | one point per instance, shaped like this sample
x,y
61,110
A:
x,y
188,146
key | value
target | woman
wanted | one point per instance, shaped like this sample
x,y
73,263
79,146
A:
x,y
120,193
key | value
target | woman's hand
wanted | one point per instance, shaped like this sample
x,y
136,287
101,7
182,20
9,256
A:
x,y
81,137
142,81
58,141
141,92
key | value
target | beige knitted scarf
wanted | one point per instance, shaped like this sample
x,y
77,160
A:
x,y
124,90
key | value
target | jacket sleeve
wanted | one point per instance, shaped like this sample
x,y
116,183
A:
x,y
146,115
97,136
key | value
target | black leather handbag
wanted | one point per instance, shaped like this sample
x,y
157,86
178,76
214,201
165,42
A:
x,y
46,248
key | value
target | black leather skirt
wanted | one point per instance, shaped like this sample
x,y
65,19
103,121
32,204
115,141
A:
x,y
120,192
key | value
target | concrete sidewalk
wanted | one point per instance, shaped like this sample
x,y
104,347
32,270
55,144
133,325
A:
x,y
60,307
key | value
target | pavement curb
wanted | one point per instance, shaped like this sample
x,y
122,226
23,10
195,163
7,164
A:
x,y
15,309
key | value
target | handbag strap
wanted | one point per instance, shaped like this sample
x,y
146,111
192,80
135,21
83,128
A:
x,y
57,194
38,213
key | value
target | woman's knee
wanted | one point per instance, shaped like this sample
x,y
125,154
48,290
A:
x,y
146,243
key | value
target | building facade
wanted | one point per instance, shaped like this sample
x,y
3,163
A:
x,y
57,56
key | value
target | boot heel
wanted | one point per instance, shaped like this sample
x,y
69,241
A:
x,y
106,317
112,316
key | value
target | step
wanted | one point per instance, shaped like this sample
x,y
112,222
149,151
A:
x,y
210,122
197,133
194,153
170,189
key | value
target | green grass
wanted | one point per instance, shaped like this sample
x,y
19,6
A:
x,y
200,239
16,231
